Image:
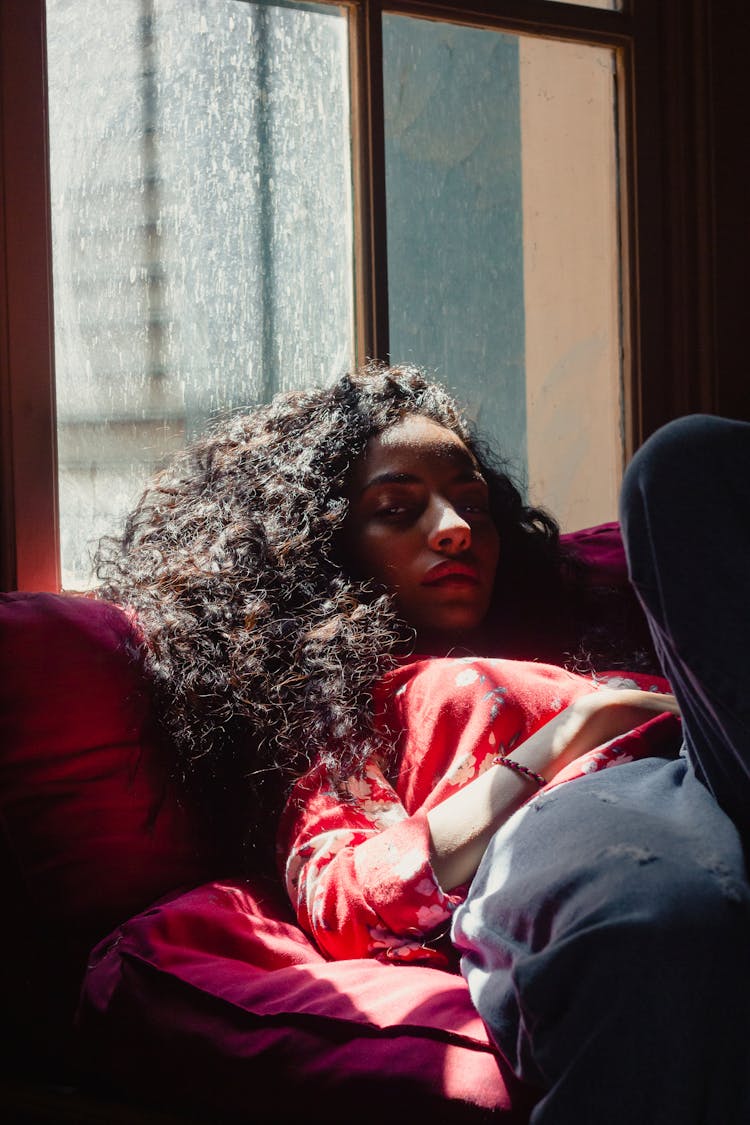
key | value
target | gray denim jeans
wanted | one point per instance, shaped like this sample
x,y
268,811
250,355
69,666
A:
x,y
606,935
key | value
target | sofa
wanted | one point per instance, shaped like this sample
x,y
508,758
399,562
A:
x,y
143,981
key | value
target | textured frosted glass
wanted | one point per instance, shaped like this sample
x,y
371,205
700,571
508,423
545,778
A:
x,y
503,246
455,239
202,247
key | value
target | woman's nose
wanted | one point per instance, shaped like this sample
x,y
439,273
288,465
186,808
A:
x,y
449,532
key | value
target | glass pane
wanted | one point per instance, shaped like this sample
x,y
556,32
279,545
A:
x,y
202,254
503,266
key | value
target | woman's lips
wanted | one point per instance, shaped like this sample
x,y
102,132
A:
x,y
451,574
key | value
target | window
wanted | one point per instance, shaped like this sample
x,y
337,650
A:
x,y
266,191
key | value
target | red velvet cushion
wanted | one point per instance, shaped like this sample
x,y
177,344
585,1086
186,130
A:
x,y
214,1000
602,550
92,831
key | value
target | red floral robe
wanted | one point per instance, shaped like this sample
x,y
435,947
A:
x,y
358,872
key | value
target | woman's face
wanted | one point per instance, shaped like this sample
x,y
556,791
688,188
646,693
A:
x,y
419,523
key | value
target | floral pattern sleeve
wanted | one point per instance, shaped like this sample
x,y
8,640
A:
x,y
359,873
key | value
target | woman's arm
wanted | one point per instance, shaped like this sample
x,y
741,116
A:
x,y
462,825
358,872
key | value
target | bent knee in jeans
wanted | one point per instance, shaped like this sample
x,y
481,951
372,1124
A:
x,y
613,908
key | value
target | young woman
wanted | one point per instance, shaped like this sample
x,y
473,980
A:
x,y
336,588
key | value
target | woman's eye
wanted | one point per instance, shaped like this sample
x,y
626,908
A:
x,y
397,511
475,507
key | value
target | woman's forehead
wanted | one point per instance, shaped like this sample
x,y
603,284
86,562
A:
x,y
416,443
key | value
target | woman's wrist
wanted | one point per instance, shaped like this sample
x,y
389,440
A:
x,y
518,768
557,743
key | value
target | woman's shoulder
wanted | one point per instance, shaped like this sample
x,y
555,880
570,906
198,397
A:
x,y
429,681
422,685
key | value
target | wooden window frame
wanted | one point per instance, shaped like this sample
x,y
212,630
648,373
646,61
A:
x,y
666,230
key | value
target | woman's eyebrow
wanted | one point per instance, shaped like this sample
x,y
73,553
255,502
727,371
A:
x,y
466,476
391,478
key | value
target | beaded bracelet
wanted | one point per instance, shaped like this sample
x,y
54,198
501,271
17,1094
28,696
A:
x,y
511,764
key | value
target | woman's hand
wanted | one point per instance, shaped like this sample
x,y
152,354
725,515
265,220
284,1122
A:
x,y
594,719
462,825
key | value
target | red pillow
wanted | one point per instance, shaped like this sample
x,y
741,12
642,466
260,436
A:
x,y
92,829
213,1000
602,550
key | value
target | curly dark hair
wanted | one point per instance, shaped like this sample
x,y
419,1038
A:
x,y
262,649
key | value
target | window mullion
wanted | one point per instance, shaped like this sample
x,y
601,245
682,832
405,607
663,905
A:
x,y
368,145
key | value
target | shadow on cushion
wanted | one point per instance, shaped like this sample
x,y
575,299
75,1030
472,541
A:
x,y
175,1007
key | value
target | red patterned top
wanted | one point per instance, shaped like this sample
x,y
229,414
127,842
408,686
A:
x,y
358,870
